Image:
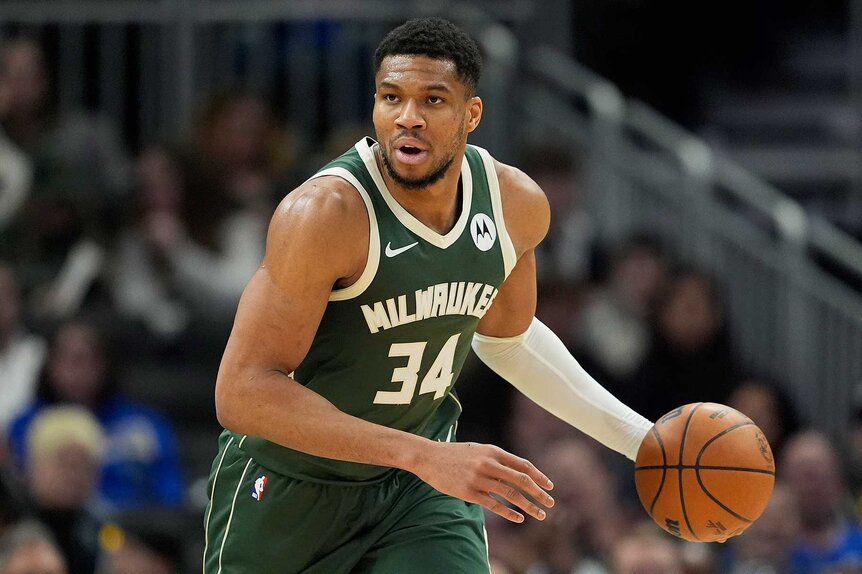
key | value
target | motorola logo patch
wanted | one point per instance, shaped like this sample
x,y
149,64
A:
x,y
483,231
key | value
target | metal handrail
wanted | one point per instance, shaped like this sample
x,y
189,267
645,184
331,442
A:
x,y
696,158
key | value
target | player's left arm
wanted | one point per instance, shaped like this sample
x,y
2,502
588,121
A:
x,y
522,350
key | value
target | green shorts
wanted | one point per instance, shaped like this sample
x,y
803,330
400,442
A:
x,y
262,522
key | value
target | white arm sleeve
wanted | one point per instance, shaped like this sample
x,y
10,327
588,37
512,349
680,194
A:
x,y
539,365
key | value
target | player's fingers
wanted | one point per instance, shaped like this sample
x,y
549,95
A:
x,y
527,467
499,508
524,483
514,496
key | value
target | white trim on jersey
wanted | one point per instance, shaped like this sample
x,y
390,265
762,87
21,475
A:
x,y
506,246
405,217
230,516
212,500
373,260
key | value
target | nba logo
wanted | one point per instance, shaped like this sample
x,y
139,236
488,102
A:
x,y
259,485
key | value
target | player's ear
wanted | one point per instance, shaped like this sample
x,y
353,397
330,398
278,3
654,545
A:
x,y
474,113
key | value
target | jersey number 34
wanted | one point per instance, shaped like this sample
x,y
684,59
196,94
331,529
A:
x,y
436,380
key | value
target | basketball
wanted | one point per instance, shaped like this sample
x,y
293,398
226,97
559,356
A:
x,y
704,472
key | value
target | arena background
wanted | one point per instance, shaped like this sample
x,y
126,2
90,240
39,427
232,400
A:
x,y
144,144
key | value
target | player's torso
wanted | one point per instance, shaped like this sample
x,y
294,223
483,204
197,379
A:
x,y
390,346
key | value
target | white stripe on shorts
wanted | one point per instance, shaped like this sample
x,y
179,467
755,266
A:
x,y
230,516
210,509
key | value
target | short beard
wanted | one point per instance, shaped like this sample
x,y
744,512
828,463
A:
x,y
419,183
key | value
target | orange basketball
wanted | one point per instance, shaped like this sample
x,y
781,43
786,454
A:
x,y
704,472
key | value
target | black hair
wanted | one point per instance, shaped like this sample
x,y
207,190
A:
x,y
436,38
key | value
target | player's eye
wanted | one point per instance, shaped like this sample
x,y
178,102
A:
x,y
435,100
390,98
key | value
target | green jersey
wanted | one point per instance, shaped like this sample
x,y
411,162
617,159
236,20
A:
x,y
390,346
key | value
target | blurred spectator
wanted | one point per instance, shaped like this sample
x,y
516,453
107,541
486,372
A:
x,y
60,261
24,91
204,217
586,522
240,155
141,463
21,354
547,547
13,499
770,407
144,541
497,567
588,509
613,333
854,460
508,549
65,447
30,549
144,285
690,357
765,547
75,154
339,138
531,428
646,551
699,558
558,306
829,538
16,180
566,252
80,177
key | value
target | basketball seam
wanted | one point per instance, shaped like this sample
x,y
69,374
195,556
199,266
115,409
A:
x,y
718,436
697,470
736,469
717,501
681,451
708,467
663,469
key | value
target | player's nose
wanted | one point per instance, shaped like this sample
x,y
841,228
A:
x,y
409,117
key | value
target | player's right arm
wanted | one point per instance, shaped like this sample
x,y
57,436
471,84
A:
x,y
318,240
315,241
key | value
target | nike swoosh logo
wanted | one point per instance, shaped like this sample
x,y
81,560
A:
x,y
393,252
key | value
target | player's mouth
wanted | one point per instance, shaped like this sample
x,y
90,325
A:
x,y
410,151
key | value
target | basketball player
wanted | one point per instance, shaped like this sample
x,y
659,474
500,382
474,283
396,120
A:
x,y
336,384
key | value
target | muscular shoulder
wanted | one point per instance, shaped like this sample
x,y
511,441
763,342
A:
x,y
320,202
324,224
525,207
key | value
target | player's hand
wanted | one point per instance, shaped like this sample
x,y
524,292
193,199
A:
x,y
487,475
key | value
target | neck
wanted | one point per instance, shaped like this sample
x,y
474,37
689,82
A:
x,y
436,206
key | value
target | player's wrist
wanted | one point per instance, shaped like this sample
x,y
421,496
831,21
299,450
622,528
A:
x,y
413,453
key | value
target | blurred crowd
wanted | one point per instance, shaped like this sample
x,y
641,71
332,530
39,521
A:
x,y
120,271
